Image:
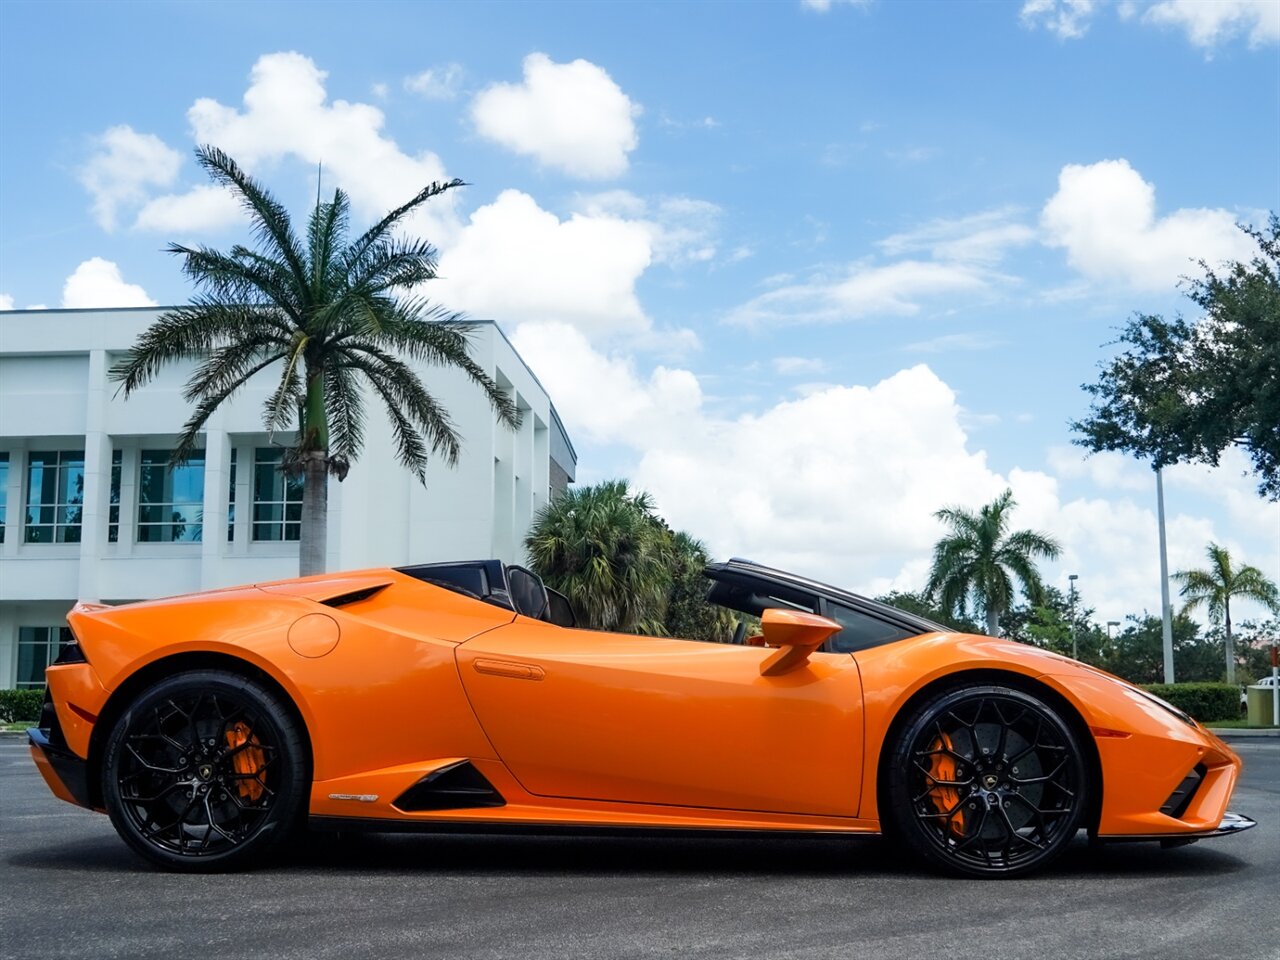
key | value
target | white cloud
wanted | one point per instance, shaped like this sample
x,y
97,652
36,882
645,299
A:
x,y
604,396
206,207
982,237
1068,19
6,301
571,116
822,6
123,168
772,485
1107,471
437,83
898,289
98,283
681,229
1104,215
791,366
953,342
1208,23
286,114
516,263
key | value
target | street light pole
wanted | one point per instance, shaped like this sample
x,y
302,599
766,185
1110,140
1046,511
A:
x,y
1075,650
1166,611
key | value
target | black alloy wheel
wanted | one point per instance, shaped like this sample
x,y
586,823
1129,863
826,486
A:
x,y
987,781
206,771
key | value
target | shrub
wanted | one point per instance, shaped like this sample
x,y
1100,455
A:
x,y
1204,701
20,706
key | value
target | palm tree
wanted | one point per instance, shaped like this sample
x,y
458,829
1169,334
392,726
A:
x,y
979,560
604,548
1216,586
336,316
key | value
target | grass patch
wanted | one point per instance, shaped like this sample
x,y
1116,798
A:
x,y
1240,724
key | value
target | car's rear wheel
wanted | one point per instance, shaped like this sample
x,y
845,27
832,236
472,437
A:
x,y
987,781
205,771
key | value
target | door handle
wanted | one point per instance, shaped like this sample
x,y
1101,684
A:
x,y
505,668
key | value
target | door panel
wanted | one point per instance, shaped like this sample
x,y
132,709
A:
x,y
599,716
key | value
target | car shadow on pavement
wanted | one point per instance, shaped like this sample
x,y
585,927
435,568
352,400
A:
x,y
790,856
465,854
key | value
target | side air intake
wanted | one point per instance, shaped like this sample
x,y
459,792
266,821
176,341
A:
x,y
455,787
1183,793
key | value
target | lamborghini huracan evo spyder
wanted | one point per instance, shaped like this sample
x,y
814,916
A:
x,y
461,696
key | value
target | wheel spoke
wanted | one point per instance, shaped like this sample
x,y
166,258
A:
x,y
1001,731
213,817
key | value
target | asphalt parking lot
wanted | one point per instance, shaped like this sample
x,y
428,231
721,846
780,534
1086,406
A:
x,y
71,889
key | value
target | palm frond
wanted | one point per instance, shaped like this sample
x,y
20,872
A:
x,y
270,219
443,342
325,231
357,251
185,333
228,365
281,405
205,409
393,379
346,411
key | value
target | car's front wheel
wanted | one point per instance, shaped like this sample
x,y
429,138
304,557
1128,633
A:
x,y
206,770
988,781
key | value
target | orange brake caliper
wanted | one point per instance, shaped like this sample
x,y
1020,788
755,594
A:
x,y
247,762
945,798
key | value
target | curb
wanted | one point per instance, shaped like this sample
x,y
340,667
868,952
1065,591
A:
x,y
1226,733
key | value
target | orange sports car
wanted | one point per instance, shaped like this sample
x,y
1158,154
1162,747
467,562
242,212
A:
x,y
461,696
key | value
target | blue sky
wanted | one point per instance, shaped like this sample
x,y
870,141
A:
x,y
805,271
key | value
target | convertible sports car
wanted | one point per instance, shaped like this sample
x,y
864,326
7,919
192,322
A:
x,y
461,696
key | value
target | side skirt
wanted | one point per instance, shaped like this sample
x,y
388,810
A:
x,y
492,828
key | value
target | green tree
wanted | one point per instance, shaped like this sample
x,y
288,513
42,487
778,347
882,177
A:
x,y
688,614
921,606
334,316
605,549
1215,586
1252,641
1182,391
979,560
1137,652
1050,625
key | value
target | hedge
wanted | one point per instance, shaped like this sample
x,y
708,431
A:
x,y
20,706
1204,701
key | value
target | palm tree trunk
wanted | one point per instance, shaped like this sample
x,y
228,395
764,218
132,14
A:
x,y
993,623
313,531
1231,654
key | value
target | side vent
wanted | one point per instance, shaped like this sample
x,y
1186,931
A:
x,y
1183,793
455,787
355,596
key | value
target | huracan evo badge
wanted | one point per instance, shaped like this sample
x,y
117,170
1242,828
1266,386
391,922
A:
x,y
358,797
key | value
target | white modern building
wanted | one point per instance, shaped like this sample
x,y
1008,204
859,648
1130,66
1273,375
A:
x,y
90,510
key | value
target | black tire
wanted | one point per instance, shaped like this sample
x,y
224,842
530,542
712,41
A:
x,y
986,781
206,771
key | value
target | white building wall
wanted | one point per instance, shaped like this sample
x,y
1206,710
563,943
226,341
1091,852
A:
x,y
55,394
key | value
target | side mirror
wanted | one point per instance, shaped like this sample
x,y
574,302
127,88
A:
x,y
796,634
528,595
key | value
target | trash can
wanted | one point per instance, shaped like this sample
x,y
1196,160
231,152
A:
x,y
1258,708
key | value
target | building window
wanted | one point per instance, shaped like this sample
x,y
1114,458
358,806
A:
x,y
37,648
277,497
231,500
4,492
55,496
170,499
113,511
